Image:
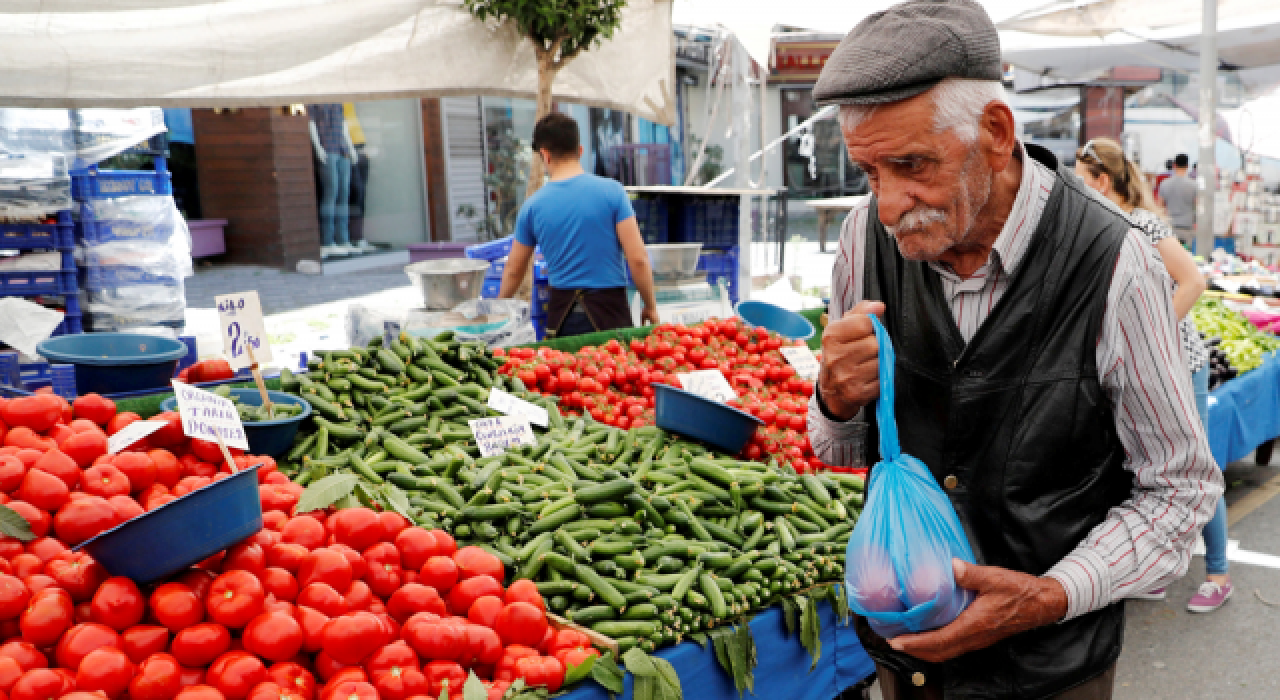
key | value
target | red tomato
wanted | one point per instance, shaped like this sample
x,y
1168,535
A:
x,y
274,636
125,508
413,598
44,490
159,678
34,412
322,597
484,611
358,528
171,434
77,573
42,684
199,691
328,566
444,676
26,654
176,606
14,597
349,639
49,614
441,573
521,623
304,530
287,556
10,672
198,645
280,583
416,546
396,655
392,525
546,671
106,669
85,447
524,590
120,420
141,641
235,598
246,556
295,678
466,592
82,639
312,622
235,673
433,638
83,518
94,407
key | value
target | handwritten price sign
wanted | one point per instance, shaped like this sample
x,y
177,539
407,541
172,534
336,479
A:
x,y
709,384
207,416
802,359
494,435
240,318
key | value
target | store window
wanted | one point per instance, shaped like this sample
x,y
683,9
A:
x,y
818,167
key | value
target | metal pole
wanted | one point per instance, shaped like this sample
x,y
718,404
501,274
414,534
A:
x,y
1207,171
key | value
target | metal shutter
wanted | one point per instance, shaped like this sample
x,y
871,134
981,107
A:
x,y
464,144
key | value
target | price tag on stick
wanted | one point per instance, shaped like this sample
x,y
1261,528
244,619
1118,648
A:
x,y
802,359
132,433
709,384
257,378
497,433
207,416
502,402
240,320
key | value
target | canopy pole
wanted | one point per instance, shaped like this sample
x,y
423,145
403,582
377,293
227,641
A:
x,y
1207,171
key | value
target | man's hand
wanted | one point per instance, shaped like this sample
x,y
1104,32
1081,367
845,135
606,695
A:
x,y
649,316
850,376
1007,602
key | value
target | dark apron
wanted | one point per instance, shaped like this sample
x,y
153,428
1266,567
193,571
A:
x,y
606,308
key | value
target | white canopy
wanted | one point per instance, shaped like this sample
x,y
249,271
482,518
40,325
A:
x,y
1070,43
242,53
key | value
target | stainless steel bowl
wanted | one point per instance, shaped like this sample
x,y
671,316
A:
x,y
673,258
444,284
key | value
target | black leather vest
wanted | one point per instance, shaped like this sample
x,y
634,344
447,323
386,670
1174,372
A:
x,y
1019,417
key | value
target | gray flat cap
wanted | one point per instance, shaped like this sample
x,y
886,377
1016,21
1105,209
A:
x,y
909,48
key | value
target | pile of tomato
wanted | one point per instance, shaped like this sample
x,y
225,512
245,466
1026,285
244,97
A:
x,y
349,605
613,383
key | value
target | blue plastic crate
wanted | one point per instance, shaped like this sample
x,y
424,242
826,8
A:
x,y
116,276
90,231
540,269
721,265
492,250
652,218
52,236
490,288
496,268
71,323
91,183
44,282
711,221
540,328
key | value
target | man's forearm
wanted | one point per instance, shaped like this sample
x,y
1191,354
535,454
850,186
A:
x,y
512,276
642,278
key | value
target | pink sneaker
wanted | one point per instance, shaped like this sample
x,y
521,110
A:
x,y
1153,594
1210,597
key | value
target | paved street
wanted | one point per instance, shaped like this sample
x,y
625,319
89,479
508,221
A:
x,y
286,291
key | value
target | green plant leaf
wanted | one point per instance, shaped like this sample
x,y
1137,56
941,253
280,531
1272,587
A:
x,y
700,638
789,613
810,629
474,689
14,525
605,671
573,674
654,678
326,492
840,601
396,499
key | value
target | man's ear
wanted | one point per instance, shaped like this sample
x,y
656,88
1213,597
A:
x,y
999,134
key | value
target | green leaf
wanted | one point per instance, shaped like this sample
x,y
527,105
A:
x,y
605,671
14,525
789,612
326,492
810,629
396,499
474,689
573,674
668,679
516,688
840,601
700,638
365,494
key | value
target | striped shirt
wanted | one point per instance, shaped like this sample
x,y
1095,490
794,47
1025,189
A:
x,y
1145,542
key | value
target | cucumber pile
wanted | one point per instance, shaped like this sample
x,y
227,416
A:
x,y
255,413
641,535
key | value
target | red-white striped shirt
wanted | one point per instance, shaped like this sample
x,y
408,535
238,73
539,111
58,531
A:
x,y
1146,541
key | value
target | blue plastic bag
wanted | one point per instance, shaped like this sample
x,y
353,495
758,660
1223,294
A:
x,y
898,562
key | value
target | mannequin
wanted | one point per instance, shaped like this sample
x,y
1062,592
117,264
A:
x,y
359,178
335,154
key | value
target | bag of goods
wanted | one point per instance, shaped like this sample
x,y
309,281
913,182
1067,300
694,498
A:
x,y
898,562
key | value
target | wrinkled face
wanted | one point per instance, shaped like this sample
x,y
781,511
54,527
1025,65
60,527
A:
x,y
930,186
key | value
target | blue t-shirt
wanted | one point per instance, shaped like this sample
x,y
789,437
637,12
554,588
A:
x,y
574,222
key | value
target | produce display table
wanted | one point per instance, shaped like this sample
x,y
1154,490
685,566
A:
x,y
783,670
1245,412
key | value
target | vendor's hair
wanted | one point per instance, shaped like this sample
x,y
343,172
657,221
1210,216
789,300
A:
x,y
1107,156
957,102
557,133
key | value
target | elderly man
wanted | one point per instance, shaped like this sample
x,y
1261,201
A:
x,y
1038,375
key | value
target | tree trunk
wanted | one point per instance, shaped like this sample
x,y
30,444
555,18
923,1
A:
x,y
548,67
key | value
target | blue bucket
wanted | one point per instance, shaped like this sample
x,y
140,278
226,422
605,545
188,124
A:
x,y
183,532
268,437
686,413
110,363
775,318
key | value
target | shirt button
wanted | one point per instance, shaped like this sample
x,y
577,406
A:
x,y
917,679
951,481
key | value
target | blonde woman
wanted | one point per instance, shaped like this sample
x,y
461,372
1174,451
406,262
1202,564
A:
x,y
1103,166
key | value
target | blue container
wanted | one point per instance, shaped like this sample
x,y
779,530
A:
x,y
775,318
711,221
93,183
540,327
23,283
108,363
492,250
721,265
56,236
490,288
652,218
182,532
712,422
268,437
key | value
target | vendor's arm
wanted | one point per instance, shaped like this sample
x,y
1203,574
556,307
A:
x,y
836,429
1182,268
641,270
522,247
1146,541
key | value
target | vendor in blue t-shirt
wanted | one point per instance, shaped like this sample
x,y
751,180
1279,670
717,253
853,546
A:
x,y
587,231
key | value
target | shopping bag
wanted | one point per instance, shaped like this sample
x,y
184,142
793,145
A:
x,y
898,567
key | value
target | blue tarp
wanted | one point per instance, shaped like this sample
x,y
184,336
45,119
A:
x,y
783,670
1245,412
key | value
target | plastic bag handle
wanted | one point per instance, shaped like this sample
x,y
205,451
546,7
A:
x,y
885,420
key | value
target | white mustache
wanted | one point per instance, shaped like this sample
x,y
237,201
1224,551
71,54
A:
x,y
917,219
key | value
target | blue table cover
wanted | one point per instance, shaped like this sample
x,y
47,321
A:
x,y
1245,412
783,670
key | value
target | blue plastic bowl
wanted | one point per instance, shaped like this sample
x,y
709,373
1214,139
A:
x,y
269,437
109,363
686,413
775,318
180,533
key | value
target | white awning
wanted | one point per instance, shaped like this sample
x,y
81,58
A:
x,y
244,53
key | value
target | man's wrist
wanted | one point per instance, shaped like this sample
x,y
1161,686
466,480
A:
x,y
826,411
1053,600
